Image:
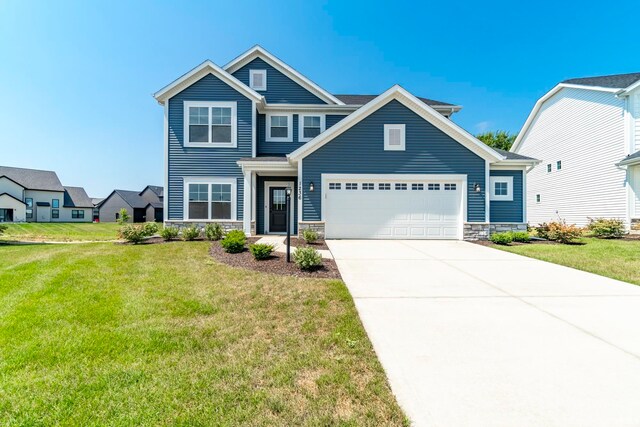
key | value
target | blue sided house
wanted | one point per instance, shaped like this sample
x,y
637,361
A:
x,y
391,166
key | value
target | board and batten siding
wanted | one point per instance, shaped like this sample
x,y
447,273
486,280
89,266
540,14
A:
x,y
272,148
584,129
204,161
360,150
280,88
505,210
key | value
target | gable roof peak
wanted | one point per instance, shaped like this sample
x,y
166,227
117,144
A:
x,y
259,51
195,74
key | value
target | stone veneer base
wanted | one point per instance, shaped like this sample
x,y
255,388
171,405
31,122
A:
x,y
482,230
317,226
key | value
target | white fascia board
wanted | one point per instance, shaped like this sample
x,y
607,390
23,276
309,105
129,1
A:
x,y
267,166
628,89
536,108
407,99
515,162
207,67
259,51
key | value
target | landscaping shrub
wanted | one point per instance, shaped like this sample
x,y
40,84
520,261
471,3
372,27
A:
x,y
234,241
133,233
542,230
123,216
261,251
190,233
520,236
501,238
309,236
604,228
307,258
562,232
2,228
169,233
150,228
213,231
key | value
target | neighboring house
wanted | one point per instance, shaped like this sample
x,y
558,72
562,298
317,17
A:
x,y
96,207
358,166
146,205
31,195
586,132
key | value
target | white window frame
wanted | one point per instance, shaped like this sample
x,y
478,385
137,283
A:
x,y
323,125
209,181
209,104
402,145
264,79
289,137
500,198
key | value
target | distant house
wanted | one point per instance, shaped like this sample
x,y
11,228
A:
x,y
96,207
31,195
142,206
586,131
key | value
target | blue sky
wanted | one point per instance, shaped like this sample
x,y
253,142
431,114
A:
x,y
76,78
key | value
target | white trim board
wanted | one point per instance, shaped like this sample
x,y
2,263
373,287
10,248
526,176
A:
x,y
207,67
258,51
407,99
267,202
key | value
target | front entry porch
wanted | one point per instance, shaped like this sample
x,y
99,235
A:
x,y
266,180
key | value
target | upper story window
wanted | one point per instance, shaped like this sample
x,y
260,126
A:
x,y
279,127
549,167
501,188
559,164
258,79
55,203
310,126
210,124
394,137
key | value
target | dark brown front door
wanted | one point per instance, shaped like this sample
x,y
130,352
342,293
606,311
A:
x,y
277,210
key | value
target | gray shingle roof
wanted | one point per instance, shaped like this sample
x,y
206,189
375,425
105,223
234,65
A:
x,y
619,81
631,157
132,198
76,197
156,189
512,156
96,200
363,99
33,179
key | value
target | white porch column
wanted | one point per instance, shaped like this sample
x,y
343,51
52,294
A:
x,y
248,198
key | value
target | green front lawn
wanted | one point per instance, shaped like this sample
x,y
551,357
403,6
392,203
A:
x,y
108,334
618,259
61,232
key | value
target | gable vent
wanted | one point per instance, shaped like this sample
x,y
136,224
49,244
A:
x,y
258,79
394,137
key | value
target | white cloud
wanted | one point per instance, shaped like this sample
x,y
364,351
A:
x,y
481,127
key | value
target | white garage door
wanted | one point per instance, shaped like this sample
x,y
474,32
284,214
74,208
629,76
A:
x,y
417,208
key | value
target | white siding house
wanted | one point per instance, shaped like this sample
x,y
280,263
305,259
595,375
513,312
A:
x,y
586,133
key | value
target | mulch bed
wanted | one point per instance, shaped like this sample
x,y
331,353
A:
x,y
532,242
319,244
276,264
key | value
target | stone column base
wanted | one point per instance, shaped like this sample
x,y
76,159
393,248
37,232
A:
x,y
317,226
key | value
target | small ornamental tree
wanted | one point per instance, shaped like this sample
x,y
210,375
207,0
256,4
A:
x,y
123,216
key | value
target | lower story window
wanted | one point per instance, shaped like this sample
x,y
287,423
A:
x,y
210,200
55,213
77,214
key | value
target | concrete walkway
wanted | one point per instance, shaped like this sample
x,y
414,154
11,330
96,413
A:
x,y
473,336
279,245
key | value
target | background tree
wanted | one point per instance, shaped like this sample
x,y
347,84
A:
x,y
499,139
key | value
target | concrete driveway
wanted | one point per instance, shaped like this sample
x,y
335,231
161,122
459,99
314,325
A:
x,y
473,336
